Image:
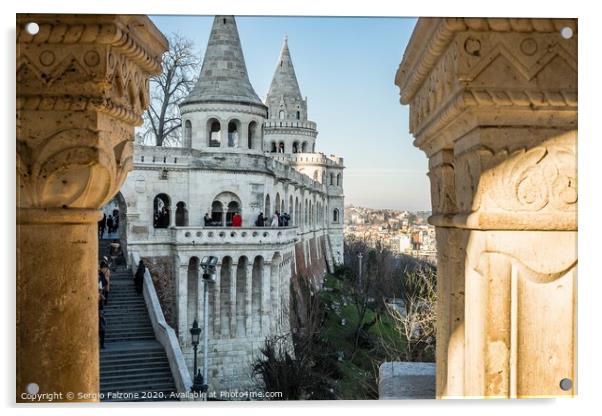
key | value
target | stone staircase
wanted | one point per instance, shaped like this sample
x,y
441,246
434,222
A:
x,y
132,360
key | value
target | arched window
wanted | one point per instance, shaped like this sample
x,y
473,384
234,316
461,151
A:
x,y
298,115
338,179
304,147
335,215
273,147
181,214
251,134
332,178
217,213
215,133
223,208
277,203
290,208
187,134
323,176
316,175
295,147
267,208
281,147
233,133
161,211
281,115
233,208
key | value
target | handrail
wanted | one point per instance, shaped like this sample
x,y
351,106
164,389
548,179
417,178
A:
x,y
163,332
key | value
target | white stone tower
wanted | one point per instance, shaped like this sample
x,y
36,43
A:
x,y
292,137
223,113
287,129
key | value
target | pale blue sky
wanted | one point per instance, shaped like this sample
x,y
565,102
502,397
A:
x,y
346,68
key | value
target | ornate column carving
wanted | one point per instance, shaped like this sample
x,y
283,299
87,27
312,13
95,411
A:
x,y
82,85
493,104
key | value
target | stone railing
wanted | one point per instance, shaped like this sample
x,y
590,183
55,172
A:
x,y
163,332
234,235
318,158
290,123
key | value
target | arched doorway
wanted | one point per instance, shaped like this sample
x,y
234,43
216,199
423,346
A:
x,y
116,208
181,214
161,211
233,208
217,213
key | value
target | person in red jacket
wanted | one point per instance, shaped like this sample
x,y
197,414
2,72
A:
x,y
236,220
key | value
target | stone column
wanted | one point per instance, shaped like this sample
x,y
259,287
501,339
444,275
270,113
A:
x,y
216,318
233,318
249,298
82,85
275,295
200,297
172,216
265,298
182,303
493,104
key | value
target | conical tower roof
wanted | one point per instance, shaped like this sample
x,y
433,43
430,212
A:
x,y
223,75
284,83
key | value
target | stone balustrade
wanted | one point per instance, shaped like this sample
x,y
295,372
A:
x,y
215,236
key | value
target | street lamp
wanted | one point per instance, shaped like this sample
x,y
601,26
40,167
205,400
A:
x,y
198,384
208,264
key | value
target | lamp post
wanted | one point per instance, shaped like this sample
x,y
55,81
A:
x,y
198,384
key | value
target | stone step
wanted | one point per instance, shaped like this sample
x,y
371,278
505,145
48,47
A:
x,y
162,374
143,384
134,367
127,357
113,339
125,330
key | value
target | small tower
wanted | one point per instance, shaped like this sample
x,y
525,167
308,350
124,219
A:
x,y
223,113
287,129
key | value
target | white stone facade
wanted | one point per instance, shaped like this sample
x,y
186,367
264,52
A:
x,y
225,166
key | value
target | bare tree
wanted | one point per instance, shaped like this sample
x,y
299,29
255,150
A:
x,y
417,320
162,121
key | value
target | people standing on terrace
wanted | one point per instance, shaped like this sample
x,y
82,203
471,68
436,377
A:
x,y
237,220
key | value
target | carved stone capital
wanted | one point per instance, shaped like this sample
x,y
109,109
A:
x,y
82,86
459,73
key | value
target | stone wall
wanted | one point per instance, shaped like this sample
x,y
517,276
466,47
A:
x,y
161,270
310,261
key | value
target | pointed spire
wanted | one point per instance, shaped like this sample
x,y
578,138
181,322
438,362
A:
x,y
224,72
284,83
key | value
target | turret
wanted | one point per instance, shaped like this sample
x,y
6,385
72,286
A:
x,y
287,129
223,112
